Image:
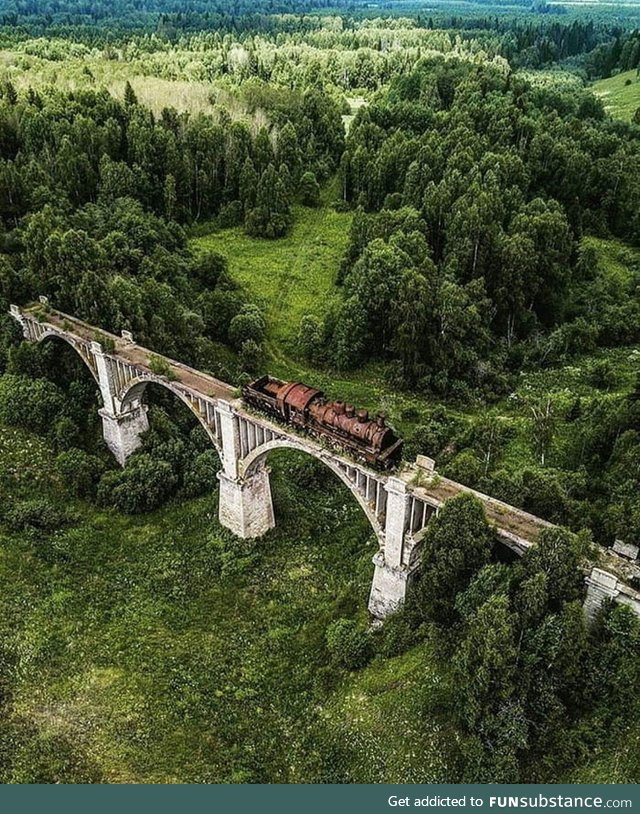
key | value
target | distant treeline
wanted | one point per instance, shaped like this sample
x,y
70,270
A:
x,y
531,39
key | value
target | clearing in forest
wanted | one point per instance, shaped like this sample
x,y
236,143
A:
x,y
620,94
289,277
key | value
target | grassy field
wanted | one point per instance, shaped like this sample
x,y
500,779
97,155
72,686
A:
x,y
289,277
620,94
159,649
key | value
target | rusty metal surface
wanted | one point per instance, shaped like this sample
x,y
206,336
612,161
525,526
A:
x,y
307,407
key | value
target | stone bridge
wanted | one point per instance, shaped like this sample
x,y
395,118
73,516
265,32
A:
x,y
398,506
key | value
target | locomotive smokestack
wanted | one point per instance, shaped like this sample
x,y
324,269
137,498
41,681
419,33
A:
x,y
380,420
350,410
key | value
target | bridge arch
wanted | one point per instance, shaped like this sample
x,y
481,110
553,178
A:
x,y
135,390
77,347
254,460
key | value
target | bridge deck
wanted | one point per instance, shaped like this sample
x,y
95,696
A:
x,y
195,380
512,522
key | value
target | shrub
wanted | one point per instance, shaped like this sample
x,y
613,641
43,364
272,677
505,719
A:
x,y
397,635
309,190
602,374
249,324
201,477
142,486
465,468
348,645
34,404
232,214
107,342
79,471
311,338
35,513
65,433
251,356
161,367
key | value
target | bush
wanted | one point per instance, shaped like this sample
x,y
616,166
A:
x,y
249,324
36,513
201,477
161,367
80,471
465,468
348,645
251,356
232,214
311,338
397,635
433,436
65,433
602,374
142,486
33,404
309,190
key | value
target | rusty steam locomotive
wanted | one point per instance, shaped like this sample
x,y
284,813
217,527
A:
x,y
368,440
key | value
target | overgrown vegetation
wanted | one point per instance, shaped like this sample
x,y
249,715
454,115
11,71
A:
x,y
430,215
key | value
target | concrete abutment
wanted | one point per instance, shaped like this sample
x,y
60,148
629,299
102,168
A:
x,y
245,504
122,433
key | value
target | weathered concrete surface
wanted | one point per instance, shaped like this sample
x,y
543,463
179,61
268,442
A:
x,y
245,504
389,587
122,432
602,586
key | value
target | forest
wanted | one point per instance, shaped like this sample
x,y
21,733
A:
x,y
434,213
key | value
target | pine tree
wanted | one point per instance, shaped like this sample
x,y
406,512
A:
x,y
130,98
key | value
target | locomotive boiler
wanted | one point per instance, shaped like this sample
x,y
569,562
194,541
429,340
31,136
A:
x,y
369,440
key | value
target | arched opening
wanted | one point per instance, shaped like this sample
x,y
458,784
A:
x,y
313,504
169,454
54,358
170,399
258,457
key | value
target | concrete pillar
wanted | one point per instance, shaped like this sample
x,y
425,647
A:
x,y
389,587
229,440
601,585
16,313
397,521
391,576
245,506
122,432
105,379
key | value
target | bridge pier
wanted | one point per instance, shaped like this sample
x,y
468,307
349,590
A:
x,y
391,576
245,504
122,432
388,589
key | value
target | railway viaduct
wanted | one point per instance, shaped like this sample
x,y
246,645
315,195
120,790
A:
x,y
398,506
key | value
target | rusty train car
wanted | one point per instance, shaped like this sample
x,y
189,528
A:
x,y
368,440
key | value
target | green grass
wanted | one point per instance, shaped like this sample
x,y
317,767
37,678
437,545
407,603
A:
x,y
159,649
380,717
615,259
619,98
289,277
